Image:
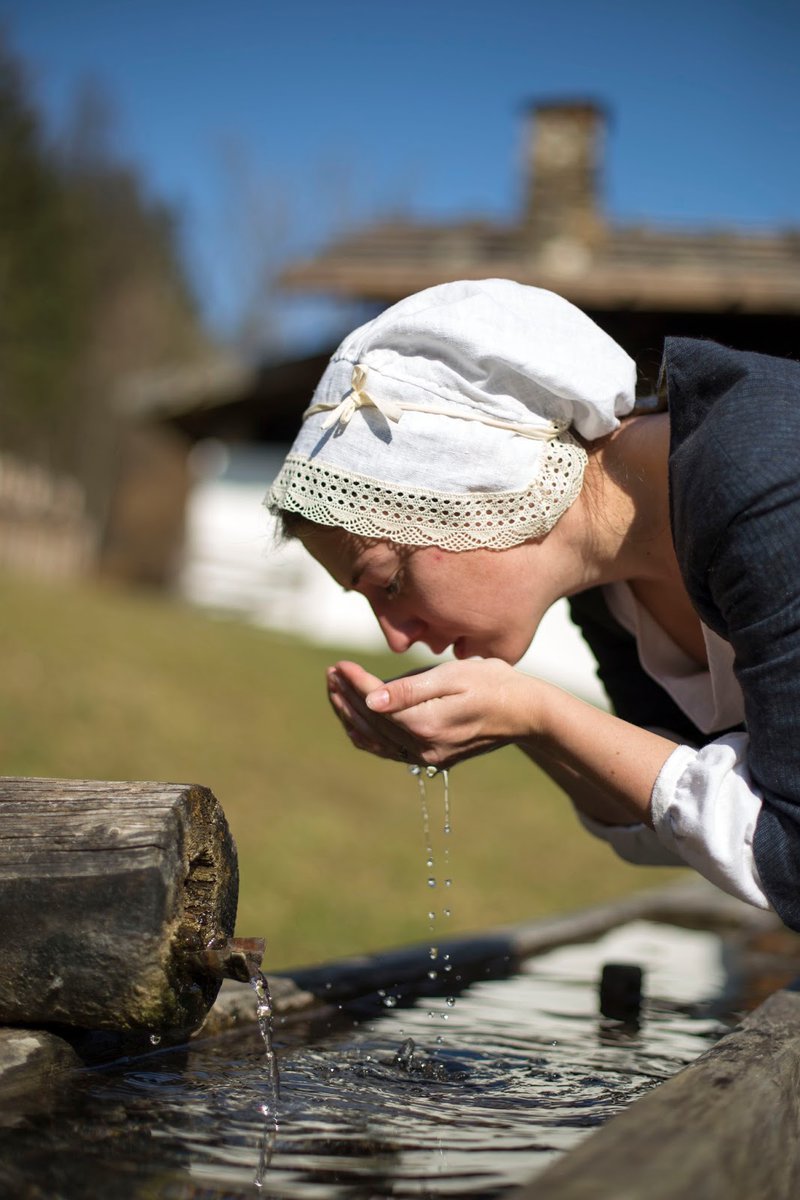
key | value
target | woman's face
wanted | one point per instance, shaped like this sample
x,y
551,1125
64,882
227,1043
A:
x,y
480,602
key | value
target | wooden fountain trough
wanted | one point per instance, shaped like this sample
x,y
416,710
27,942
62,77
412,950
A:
x,y
117,911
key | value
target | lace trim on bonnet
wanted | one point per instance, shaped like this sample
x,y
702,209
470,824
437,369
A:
x,y
422,517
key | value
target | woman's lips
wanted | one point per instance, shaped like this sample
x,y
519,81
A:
x,y
436,647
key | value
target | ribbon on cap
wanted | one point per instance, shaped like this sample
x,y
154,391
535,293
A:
x,y
340,414
358,398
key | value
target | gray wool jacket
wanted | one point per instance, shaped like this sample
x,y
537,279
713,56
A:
x,y
734,476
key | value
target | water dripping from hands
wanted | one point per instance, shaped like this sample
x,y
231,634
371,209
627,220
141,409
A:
x,y
422,776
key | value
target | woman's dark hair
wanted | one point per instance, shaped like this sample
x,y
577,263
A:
x,y
291,524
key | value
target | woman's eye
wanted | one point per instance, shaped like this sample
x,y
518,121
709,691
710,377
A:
x,y
392,587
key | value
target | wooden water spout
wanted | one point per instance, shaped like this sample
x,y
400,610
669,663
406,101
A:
x,y
117,903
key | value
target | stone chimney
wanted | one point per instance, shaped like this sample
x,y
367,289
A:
x,y
564,152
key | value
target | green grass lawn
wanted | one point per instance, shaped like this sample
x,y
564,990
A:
x,y
103,684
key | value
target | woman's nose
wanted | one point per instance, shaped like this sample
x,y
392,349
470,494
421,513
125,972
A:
x,y
399,633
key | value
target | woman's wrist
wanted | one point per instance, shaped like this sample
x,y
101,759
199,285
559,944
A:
x,y
538,716
617,763
518,704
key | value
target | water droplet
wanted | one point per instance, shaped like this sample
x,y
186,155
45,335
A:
x,y
433,974
429,862
450,1001
431,916
390,1002
414,769
431,771
431,882
445,1016
439,1040
155,1039
448,883
446,912
381,992
433,952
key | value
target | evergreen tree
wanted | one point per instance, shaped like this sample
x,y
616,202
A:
x,y
41,328
92,289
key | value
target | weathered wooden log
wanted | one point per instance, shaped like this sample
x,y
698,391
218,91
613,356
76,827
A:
x,y
727,1127
109,896
30,1059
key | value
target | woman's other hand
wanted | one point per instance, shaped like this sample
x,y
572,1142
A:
x,y
348,685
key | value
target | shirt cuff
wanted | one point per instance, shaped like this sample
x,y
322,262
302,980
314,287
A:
x,y
705,807
637,844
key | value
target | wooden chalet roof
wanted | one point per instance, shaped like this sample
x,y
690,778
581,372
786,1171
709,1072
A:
x,y
226,399
639,282
626,268
563,241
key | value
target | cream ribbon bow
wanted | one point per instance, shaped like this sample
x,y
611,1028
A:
x,y
545,431
358,398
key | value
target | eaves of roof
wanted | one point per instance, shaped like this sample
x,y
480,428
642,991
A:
x,y
644,268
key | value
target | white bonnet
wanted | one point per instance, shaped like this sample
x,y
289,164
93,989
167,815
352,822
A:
x,y
445,420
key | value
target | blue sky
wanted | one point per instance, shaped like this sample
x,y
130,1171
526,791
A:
x,y
315,115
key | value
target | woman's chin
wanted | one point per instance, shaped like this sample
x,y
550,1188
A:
x,y
463,649
467,648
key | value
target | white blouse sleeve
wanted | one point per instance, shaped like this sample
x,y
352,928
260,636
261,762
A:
x,y
636,844
704,807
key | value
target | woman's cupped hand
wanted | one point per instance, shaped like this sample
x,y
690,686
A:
x,y
434,717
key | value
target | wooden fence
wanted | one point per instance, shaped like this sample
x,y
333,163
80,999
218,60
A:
x,y
44,527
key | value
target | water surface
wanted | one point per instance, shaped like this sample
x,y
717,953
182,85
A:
x,y
437,1099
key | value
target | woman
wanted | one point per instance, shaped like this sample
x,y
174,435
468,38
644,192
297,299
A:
x,y
469,458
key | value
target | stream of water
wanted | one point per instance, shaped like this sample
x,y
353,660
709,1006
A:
x,y
269,1107
424,778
